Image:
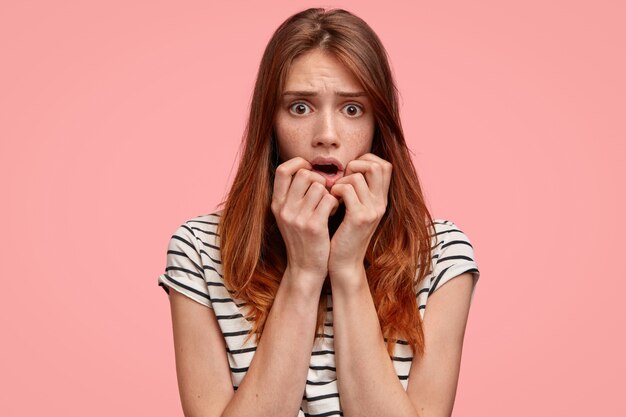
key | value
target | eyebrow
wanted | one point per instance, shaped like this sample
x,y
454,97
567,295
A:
x,y
314,93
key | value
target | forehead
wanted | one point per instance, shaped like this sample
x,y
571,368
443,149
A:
x,y
319,69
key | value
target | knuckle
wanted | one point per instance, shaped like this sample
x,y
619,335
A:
x,y
329,197
281,170
316,176
300,223
302,172
366,217
285,215
311,228
361,219
317,187
339,187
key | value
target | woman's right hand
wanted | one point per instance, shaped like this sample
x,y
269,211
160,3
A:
x,y
302,205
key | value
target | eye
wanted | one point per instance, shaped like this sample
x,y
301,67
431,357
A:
x,y
298,108
353,110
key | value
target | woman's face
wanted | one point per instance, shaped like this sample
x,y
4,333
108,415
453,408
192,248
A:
x,y
324,115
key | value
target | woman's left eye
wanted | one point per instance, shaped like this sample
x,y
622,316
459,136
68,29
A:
x,y
353,109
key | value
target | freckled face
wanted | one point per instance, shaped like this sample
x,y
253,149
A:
x,y
323,112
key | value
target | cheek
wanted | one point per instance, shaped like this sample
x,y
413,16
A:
x,y
281,135
286,139
362,140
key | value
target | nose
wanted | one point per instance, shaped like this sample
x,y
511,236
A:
x,y
326,134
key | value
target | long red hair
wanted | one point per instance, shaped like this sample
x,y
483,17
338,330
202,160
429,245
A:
x,y
252,249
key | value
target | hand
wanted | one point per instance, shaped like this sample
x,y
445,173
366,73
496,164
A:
x,y
364,191
302,205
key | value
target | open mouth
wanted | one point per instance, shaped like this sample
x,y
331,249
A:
x,y
329,169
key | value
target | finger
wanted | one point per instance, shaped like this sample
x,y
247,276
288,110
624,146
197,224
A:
x,y
326,207
386,166
371,157
301,183
312,198
284,174
360,186
346,191
372,171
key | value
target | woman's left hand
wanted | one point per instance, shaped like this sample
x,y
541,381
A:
x,y
364,191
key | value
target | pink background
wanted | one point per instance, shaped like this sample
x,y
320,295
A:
x,y
119,120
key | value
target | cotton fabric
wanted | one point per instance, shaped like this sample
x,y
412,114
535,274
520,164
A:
x,y
193,268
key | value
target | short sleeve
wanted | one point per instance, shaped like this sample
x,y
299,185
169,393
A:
x,y
455,256
184,271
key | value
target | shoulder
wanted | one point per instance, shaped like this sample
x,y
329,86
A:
x,y
202,227
204,223
200,235
445,233
452,253
204,230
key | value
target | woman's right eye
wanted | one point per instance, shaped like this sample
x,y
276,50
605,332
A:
x,y
298,108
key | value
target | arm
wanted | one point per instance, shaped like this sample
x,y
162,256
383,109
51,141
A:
x,y
367,380
274,383
433,378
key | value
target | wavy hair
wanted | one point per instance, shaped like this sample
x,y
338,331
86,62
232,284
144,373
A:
x,y
253,252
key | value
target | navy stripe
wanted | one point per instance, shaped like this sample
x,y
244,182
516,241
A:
x,y
216,261
176,237
203,222
223,300
422,290
210,268
185,270
323,368
319,382
400,341
321,397
323,352
211,246
229,316
434,285
240,333
447,258
187,287
206,232
456,242
184,255
329,413
239,351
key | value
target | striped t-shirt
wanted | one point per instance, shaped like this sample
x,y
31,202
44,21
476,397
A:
x,y
194,269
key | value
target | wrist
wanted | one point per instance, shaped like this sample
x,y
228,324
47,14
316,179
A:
x,y
301,283
348,279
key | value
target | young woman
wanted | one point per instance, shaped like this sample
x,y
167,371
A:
x,y
317,289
